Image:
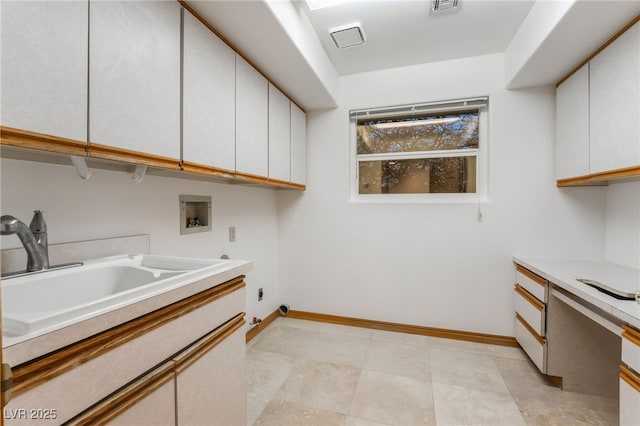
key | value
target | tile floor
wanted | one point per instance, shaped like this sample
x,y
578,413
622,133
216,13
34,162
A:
x,y
311,373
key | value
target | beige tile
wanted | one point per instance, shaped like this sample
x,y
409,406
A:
x,y
523,378
394,400
298,323
321,385
412,339
348,330
399,358
327,327
287,413
356,421
469,369
266,372
294,342
506,352
458,405
566,410
461,345
339,349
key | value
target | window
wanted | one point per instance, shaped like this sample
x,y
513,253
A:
x,y
425,152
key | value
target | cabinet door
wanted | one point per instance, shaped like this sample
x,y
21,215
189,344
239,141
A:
x,y
211,389
615,104
148,400
208,98
158,408
279,135
298,145
572,125
252,148
44,67
134,76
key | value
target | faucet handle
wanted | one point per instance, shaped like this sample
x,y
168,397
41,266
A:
x,y
38,225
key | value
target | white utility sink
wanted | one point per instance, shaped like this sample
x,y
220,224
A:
x,y
55,298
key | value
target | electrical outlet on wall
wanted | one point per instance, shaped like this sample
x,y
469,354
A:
x,y
260,294
232,234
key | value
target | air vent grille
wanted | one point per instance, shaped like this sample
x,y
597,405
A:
x,y
438,6
348,35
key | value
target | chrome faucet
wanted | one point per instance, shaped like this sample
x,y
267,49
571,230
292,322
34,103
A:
x,y
33,238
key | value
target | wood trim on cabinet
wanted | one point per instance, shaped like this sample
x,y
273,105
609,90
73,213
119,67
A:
x,y
226,41
630,377
33,373
258,328
599,49
247,177
201,169
283,184
106,410
19,138
526,325
407,328
196,351
130,156
600,177
529,297
261,180
631,334
537,278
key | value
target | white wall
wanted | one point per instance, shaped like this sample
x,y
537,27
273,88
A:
x,y
432,264
110,205
623,224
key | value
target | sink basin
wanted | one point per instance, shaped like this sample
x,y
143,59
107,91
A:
x,y
53,298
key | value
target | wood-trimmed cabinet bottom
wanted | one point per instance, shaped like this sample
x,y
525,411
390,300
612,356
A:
x,y
204,384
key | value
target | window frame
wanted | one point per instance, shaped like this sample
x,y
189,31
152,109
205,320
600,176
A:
x,y
481,153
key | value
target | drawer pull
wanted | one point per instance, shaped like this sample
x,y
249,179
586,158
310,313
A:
x,y
529,297
538,279
631,334
630,377
530,329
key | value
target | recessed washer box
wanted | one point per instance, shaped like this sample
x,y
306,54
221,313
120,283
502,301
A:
x,y
195,214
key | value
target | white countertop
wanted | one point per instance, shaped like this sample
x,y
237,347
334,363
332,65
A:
x,y
564,272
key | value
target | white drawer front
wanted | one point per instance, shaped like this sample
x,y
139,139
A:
x,y
536,287
629,403
631,348
530,309
532,346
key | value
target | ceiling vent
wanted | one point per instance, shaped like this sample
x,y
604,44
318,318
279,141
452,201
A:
x,y
438,6
348,35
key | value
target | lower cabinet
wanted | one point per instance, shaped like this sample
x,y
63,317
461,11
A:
x,y
530,295
182,364
203,385
207,394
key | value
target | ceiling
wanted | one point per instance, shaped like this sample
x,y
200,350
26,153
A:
x,y
542,40
404,32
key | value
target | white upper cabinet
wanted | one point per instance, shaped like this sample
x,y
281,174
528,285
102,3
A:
x,y
44,67
615,104
572,125
298,145
209,98
279,135
134,76
252,100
